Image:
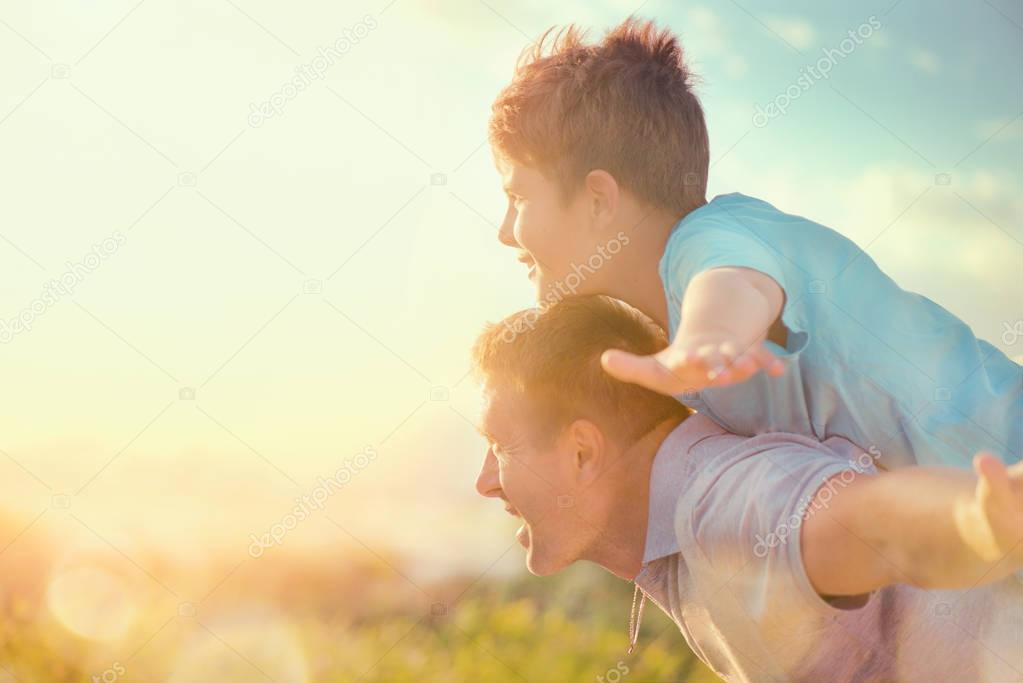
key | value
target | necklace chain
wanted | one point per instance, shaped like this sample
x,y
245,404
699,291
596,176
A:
x,y
635,617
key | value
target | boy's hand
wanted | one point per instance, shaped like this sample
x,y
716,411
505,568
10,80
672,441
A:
x,y
691,365
991,523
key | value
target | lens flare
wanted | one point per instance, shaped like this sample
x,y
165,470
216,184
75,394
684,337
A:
x,y
92,602
242,646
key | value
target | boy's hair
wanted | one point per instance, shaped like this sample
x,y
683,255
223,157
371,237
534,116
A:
x,y
624,105
551,358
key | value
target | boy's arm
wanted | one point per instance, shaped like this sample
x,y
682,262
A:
x,y
726,313
936,528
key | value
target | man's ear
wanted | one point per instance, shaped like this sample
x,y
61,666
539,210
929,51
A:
x,y
603,193
590,456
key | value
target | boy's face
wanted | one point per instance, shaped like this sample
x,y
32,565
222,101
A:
x,y
536,483
551,235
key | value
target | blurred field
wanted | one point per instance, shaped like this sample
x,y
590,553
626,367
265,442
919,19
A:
x,y
99,614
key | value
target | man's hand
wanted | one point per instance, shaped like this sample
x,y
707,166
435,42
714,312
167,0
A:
x,y
691,365
991,523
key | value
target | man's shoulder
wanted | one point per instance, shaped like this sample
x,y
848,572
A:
x,y
704,442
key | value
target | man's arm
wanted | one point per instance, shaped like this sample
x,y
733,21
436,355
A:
x,y
936,528
726,313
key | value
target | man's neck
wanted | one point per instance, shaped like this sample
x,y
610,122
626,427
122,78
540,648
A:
x,y
622,544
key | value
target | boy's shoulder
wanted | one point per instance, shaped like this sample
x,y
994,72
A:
x,y
732,230
737,230
742,214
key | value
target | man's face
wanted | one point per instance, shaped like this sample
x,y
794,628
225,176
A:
x,y
550,235
537,484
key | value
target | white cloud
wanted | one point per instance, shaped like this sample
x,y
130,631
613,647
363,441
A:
x,y
736,66
1004,128
925,60
705,30
879,39
797,32
704,36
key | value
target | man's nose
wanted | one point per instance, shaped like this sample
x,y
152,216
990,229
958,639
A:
x,y
488,483
506,233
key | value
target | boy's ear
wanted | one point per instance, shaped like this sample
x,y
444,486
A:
x,y
603,193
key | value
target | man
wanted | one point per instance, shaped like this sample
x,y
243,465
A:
x,y
780,558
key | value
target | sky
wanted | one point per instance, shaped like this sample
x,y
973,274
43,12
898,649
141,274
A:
x,y
261,282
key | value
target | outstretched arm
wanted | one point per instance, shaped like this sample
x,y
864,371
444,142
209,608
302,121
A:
x,y
726,313
933,527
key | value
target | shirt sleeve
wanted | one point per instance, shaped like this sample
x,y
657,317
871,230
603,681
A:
x,y
744,532
688,254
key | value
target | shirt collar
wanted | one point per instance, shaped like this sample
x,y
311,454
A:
x,y
667,479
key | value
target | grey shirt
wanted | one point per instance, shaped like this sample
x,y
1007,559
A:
x,y
723,560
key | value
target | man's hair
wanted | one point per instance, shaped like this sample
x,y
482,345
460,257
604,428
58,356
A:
x,y
624,105
550,358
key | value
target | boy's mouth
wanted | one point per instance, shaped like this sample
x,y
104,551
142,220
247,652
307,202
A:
x,y
530,262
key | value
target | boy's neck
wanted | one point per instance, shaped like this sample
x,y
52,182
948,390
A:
x,y
637,278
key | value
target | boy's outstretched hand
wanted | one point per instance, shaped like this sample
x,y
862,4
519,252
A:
x,y
991,523
691,365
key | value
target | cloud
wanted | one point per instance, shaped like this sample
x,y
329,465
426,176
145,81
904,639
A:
x,y
797,32
1005,128
704,29
735,66
703,35
925,60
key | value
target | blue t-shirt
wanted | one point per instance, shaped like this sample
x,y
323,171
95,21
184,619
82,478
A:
x,y
887,369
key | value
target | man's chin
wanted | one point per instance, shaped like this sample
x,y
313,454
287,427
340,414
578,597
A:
x,y
540,564
538,567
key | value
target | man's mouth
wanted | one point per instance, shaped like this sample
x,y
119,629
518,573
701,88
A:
x,y
511,511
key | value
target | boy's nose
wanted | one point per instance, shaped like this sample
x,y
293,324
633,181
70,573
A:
x,y
506,233
488,484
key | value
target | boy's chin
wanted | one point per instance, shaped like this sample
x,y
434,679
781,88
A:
x,y
539,282
551,290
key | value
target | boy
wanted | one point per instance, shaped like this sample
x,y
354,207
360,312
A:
x,y
603,152
780,558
